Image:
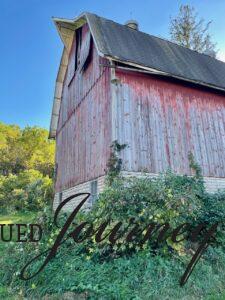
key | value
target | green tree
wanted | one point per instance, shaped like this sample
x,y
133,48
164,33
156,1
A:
x,y
28,148
188,30
9,159
29,190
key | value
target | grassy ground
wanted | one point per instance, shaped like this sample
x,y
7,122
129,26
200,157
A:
x,y
14,219
114,270
20,217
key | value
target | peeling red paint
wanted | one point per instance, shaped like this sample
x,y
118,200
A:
x,y
160,120
176,119
84,133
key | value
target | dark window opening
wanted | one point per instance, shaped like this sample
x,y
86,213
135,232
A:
x,y
78,47
94,191
89,55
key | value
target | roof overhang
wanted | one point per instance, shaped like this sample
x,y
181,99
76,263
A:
x,y
146,69
66,29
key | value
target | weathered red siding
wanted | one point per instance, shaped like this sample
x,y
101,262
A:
x,y
162,121
84,128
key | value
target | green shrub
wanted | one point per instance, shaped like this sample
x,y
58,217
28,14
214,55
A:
x,y
29,190
170,198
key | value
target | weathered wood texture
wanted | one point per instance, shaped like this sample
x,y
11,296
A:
x,y
84,128
162,121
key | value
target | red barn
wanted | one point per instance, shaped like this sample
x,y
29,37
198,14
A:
x,y
118,83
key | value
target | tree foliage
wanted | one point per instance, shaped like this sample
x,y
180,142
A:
x,y
26,168
27,191
188,30
27,148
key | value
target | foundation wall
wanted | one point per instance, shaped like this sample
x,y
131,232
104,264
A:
x,y
212,185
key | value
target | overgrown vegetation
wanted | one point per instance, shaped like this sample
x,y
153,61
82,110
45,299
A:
x,y
114,164
25,149
13,218
121,271
26,168
29,190
26,172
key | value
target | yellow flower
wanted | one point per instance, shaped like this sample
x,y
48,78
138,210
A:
x,y
142,212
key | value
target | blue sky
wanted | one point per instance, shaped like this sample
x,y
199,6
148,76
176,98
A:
x,y
30,47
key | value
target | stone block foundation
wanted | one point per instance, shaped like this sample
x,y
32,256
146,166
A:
x,y
212,185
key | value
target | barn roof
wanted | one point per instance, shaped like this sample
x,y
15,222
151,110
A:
x,y
130,45
121,43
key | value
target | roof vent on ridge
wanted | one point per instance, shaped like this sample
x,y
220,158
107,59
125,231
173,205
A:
x,y
132,24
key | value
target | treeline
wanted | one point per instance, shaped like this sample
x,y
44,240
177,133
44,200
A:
x,y
26,167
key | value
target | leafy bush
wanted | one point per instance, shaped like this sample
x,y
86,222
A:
x,y
170,198
213,211
29,190
26,168
23,149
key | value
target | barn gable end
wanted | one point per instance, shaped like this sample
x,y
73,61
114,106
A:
x,y
83,135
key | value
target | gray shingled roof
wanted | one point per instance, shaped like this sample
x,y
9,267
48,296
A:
x,y
129,45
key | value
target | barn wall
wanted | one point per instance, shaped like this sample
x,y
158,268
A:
x,y
84,131
161,122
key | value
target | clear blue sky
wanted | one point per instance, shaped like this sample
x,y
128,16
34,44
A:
x,y
30,47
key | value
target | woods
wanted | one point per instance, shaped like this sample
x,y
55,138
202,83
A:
x,y
25,149
26,168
